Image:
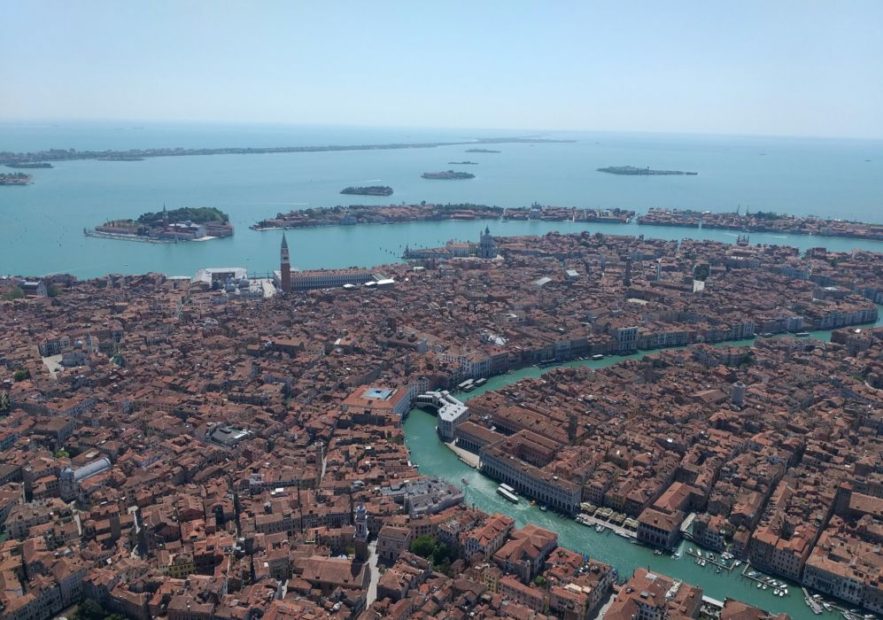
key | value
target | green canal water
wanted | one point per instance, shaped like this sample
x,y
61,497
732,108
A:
x,y
435,459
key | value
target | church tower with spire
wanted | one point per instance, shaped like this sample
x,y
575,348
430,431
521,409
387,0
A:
x,y
285,266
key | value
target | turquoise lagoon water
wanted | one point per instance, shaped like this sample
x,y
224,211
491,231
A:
x,y
41,225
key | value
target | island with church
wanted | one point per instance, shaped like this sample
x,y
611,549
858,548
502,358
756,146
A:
x,y
168,226
424,212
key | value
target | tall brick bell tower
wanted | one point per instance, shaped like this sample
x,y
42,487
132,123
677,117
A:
x,y
285,266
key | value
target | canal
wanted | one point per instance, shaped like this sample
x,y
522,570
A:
x,y
435,459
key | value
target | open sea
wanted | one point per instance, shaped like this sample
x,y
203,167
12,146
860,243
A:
x,y
41,225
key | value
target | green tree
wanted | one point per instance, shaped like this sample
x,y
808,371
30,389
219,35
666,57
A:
x,y
441,554
424,546
701,271
22,374
90,609
14,293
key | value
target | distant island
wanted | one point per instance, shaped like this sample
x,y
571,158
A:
x,y
634,171
368,190
423,212
184,224
462,163
36,164
15,178
121,157
8,157
448,175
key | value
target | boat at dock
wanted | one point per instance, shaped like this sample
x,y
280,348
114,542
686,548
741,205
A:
x,y
599,356
811,602
466,386
480,381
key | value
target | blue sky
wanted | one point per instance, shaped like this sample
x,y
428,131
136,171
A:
x,y
749,67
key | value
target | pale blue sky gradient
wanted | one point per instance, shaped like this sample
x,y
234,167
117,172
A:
x,y
796,67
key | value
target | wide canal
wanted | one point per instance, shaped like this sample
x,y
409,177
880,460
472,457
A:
x,y
435,459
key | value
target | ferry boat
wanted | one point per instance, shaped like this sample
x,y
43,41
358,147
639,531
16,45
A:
x,y
508,495
599,356
480,381
802,334
467,385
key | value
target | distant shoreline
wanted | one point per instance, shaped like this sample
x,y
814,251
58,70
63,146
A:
x,y
7,157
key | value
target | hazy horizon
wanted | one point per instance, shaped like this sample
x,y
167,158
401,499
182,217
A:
x,y
509,132
785,69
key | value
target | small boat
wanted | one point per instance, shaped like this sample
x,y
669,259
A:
x,y
758,585
543,508
657,552
765,587
598,357
676,555
480,382
507,495
464,481
600,528
802,334
718,570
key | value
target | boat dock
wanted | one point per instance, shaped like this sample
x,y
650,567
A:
x,y
780,588
591,521
710,558
812,603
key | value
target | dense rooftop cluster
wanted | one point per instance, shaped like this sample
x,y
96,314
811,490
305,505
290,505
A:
x,y
170,449
776,450
762,221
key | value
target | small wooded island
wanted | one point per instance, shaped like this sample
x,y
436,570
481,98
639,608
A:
x,y
36,164
368,190
184,224
635,171
448,175
15,178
